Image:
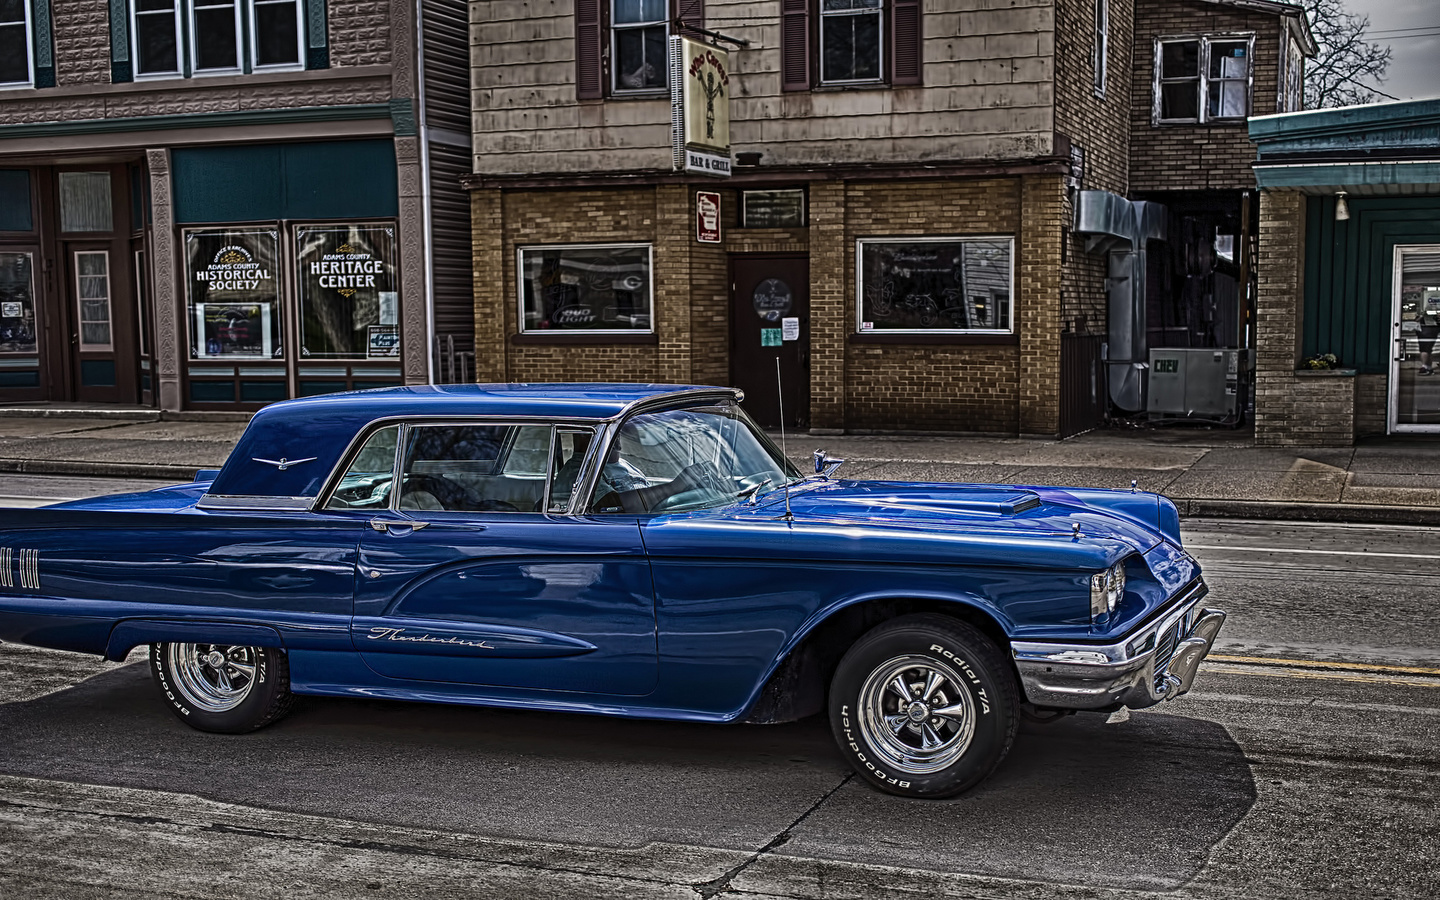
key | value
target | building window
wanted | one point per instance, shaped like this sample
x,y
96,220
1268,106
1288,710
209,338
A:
x,y
1202,79
638,32
1102,44
1292,98
233,293
15,43
851,37
173,38
588,287
934,284
17,304
349,292
92,292
857,43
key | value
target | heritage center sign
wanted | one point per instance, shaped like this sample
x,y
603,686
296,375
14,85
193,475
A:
x,y
700,107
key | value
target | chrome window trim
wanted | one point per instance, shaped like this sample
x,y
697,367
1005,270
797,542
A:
x,y
253,502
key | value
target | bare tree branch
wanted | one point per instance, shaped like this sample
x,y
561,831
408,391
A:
x,y
1348,69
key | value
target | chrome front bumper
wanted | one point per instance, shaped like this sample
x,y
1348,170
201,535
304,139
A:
x,y
1156,662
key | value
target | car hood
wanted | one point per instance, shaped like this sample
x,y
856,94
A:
x,y
1130,521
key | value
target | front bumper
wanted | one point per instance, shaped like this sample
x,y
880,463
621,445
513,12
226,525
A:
x,y
1157,661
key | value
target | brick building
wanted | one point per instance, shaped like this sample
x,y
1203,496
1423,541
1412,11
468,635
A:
x,y
1349,266
216,205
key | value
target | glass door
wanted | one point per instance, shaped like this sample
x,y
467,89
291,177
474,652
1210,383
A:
x,y
20,368
1414,368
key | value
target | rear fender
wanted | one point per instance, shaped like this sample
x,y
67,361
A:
x,y
131,633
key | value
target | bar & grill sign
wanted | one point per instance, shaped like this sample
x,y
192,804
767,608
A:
x,y
700,107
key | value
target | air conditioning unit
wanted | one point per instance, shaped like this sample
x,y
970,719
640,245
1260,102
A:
x,y
1196,383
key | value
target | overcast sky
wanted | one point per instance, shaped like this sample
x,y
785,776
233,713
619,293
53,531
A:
x,y
1412,29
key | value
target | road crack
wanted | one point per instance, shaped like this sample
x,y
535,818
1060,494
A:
x,y
716,886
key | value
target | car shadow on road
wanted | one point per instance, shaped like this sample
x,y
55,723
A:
x,y
1137,804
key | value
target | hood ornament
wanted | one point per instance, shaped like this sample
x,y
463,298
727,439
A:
x,y
282,463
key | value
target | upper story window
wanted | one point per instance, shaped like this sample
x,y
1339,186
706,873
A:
x,y
638,29
176,38
1202,79
850,43
1102,44
1292,95
14,43
622,47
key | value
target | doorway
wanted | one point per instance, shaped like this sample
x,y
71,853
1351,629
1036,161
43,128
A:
x,y
1414,368
770,321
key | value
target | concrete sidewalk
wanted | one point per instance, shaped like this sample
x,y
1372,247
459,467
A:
x,y
1206,472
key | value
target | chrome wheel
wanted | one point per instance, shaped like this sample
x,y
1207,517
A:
x,y
917,713
214,677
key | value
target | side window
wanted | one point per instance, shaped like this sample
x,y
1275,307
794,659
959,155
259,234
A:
x,y
1179,81
1102,45
366,484
1202,79
474,468
15,44
566,457
637,32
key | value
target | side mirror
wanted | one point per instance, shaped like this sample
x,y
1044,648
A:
x,y
825,466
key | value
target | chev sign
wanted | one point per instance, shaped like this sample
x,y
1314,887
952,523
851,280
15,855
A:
x,y
700,107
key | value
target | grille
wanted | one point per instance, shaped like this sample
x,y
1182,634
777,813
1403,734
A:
x,y
1166,649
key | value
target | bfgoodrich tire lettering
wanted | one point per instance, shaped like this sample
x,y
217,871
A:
x,y
954,721
222,688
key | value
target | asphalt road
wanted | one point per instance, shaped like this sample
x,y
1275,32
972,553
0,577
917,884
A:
x,y
1302,765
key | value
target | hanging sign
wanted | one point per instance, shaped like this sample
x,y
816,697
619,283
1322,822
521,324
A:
x,y
707,217
700,107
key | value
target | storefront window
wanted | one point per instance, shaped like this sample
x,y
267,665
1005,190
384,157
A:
x,y
233,293
17,303
935,284
594,287
349,291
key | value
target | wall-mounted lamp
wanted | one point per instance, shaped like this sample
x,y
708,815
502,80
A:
x,y
1342,209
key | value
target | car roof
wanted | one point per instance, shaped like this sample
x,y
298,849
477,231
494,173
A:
x,y
309,435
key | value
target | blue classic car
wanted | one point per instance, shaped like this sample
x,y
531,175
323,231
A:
x,y
632,550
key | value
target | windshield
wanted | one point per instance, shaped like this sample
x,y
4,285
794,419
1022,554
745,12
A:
x,y
683,459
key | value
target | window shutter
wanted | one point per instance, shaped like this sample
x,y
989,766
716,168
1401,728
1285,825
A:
x,y
795,45
906,39
589,43
690,12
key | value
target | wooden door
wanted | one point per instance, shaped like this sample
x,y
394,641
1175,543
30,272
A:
x,y
767,294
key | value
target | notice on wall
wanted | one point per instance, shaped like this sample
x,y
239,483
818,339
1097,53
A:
x,y
770,337
790,328
707,217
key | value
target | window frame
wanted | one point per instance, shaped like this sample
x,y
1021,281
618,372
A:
x,y
520,252
882,13
180,61
80,321
247,44
1101,51
26,23
612,54
1008,239
253,54
1203,79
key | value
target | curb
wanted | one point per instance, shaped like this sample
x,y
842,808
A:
x,y
1293,511
127,415
173,474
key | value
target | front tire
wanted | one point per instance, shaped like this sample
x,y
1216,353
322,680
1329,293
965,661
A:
x,y
924,706
222,688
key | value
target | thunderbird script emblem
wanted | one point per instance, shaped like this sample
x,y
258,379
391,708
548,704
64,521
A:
x,y
282,463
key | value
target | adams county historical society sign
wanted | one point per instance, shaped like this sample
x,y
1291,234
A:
x,y
700,107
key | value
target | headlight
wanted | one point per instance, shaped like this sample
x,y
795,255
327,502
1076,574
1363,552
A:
x,y
1106,589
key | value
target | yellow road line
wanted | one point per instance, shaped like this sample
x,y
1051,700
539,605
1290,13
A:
x,y
1314,675
1320,664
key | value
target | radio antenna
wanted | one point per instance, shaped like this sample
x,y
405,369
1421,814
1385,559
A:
x,y
780,397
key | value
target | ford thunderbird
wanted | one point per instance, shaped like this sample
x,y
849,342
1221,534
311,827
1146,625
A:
x,y
627,550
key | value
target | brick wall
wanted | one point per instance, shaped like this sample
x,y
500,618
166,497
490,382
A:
x,y
359,32
1194,157
1290,409
857,382
1098,124
82,41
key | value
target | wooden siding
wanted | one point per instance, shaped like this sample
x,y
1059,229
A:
x,y
988,93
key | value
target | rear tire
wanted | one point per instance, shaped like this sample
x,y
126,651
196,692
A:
x,y
956,720
222,688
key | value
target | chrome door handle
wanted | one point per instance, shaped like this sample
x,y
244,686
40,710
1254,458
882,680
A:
x,y
388,524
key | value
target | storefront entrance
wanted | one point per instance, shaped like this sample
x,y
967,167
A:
x,y
770,320
1414,366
